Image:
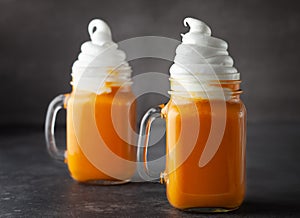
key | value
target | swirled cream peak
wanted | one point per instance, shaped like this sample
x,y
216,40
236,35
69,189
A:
x,y
200,61
201,54
100,59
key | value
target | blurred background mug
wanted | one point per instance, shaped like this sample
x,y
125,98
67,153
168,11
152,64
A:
x,y
101,113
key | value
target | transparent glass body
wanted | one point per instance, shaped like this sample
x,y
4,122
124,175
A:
x,y
219,184
108,111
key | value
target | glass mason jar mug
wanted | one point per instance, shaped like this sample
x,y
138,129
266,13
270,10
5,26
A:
x,y
100,137
205,148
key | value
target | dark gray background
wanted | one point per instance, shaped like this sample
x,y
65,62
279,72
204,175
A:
x,y
40,40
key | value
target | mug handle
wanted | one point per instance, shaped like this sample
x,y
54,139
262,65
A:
x,y
143,144
55,105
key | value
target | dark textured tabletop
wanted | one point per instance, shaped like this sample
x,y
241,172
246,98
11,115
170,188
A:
x,y
33,185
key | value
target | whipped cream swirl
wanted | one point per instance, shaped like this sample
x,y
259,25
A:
x,y
201,60
100,61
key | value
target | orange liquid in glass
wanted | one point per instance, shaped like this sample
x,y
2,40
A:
x,y
220,183
80,167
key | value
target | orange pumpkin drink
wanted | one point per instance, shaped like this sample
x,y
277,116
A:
x,y
205,126
122,100
205,121
101,113
220,184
